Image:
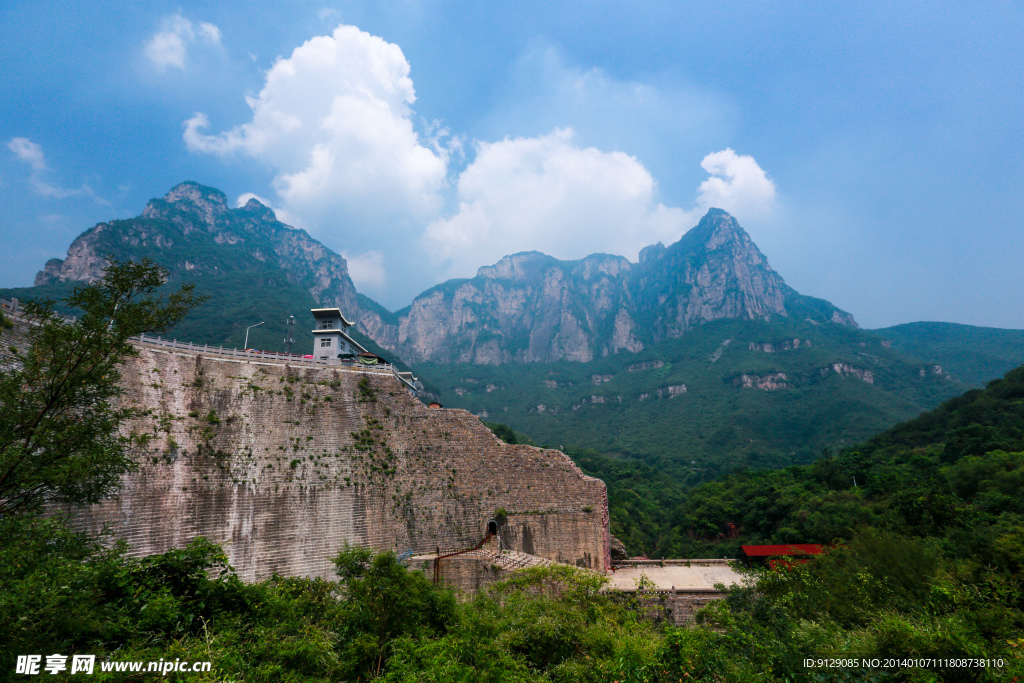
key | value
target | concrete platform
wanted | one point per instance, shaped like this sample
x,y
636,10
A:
x,y
680,575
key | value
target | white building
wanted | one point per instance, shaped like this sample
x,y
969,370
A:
x,y
330,337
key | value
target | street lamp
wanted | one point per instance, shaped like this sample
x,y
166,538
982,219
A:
x,y
246,345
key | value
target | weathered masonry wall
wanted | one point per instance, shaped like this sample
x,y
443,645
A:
x,y
285,465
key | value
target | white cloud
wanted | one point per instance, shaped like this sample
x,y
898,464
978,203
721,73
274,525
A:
x,y
661,119
334,121
169,46
545,194
209,33
367,269
737,184
32,154
29,152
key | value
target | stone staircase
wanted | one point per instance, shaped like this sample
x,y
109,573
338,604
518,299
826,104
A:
x,y
509,560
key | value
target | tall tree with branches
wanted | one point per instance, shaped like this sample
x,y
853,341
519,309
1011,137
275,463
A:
x,y
61,413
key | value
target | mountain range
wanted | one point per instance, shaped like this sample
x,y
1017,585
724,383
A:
x,y
530,307
699,354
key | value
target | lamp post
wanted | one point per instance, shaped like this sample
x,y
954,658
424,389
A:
x,y
288,339
246,345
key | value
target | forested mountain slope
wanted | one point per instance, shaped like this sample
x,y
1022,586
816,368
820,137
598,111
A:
x,y
954,474
731,392
252,267
973,355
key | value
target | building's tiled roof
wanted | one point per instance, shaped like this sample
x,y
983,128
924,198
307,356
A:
x,y
775,550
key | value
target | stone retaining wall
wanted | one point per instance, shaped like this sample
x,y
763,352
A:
x,y
284,465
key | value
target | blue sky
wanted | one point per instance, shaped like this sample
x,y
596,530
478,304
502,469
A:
x,y
874,151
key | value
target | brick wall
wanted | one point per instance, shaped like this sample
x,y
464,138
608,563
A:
x,y
284,465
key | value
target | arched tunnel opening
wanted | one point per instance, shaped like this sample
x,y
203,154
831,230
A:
x,y
492,527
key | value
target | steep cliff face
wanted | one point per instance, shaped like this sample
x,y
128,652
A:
x,y
715,271
193,232
527,307
532,307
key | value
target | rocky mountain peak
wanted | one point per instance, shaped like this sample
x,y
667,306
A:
x,y
193,233
260,210
723,229
532,307
526,265
597,265
714,271
208,203
652,252
717,230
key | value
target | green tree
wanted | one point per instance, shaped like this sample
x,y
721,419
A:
x,y
60,412
384,602
503,432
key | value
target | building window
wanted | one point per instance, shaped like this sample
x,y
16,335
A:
x,y
327,325
324,343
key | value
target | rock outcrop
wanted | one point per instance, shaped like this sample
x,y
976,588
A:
x,y
532,307
845,369
527,307
771,381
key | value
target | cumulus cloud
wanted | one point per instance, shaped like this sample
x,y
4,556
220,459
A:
x,y
169,46
546,194
543,193
32,154
737,184
334,121
658,120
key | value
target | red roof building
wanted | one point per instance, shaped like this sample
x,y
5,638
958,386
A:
x,y
774,553
777,550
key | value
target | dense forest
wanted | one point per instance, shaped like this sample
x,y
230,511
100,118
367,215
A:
x,y
924,523
954,475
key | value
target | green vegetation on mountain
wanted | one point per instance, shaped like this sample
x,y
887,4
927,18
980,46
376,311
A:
x,y
953,476
973,355
251,267
682,407
641,500
530,307
731,367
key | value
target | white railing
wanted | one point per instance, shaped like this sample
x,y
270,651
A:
x,y
11,306
271,356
